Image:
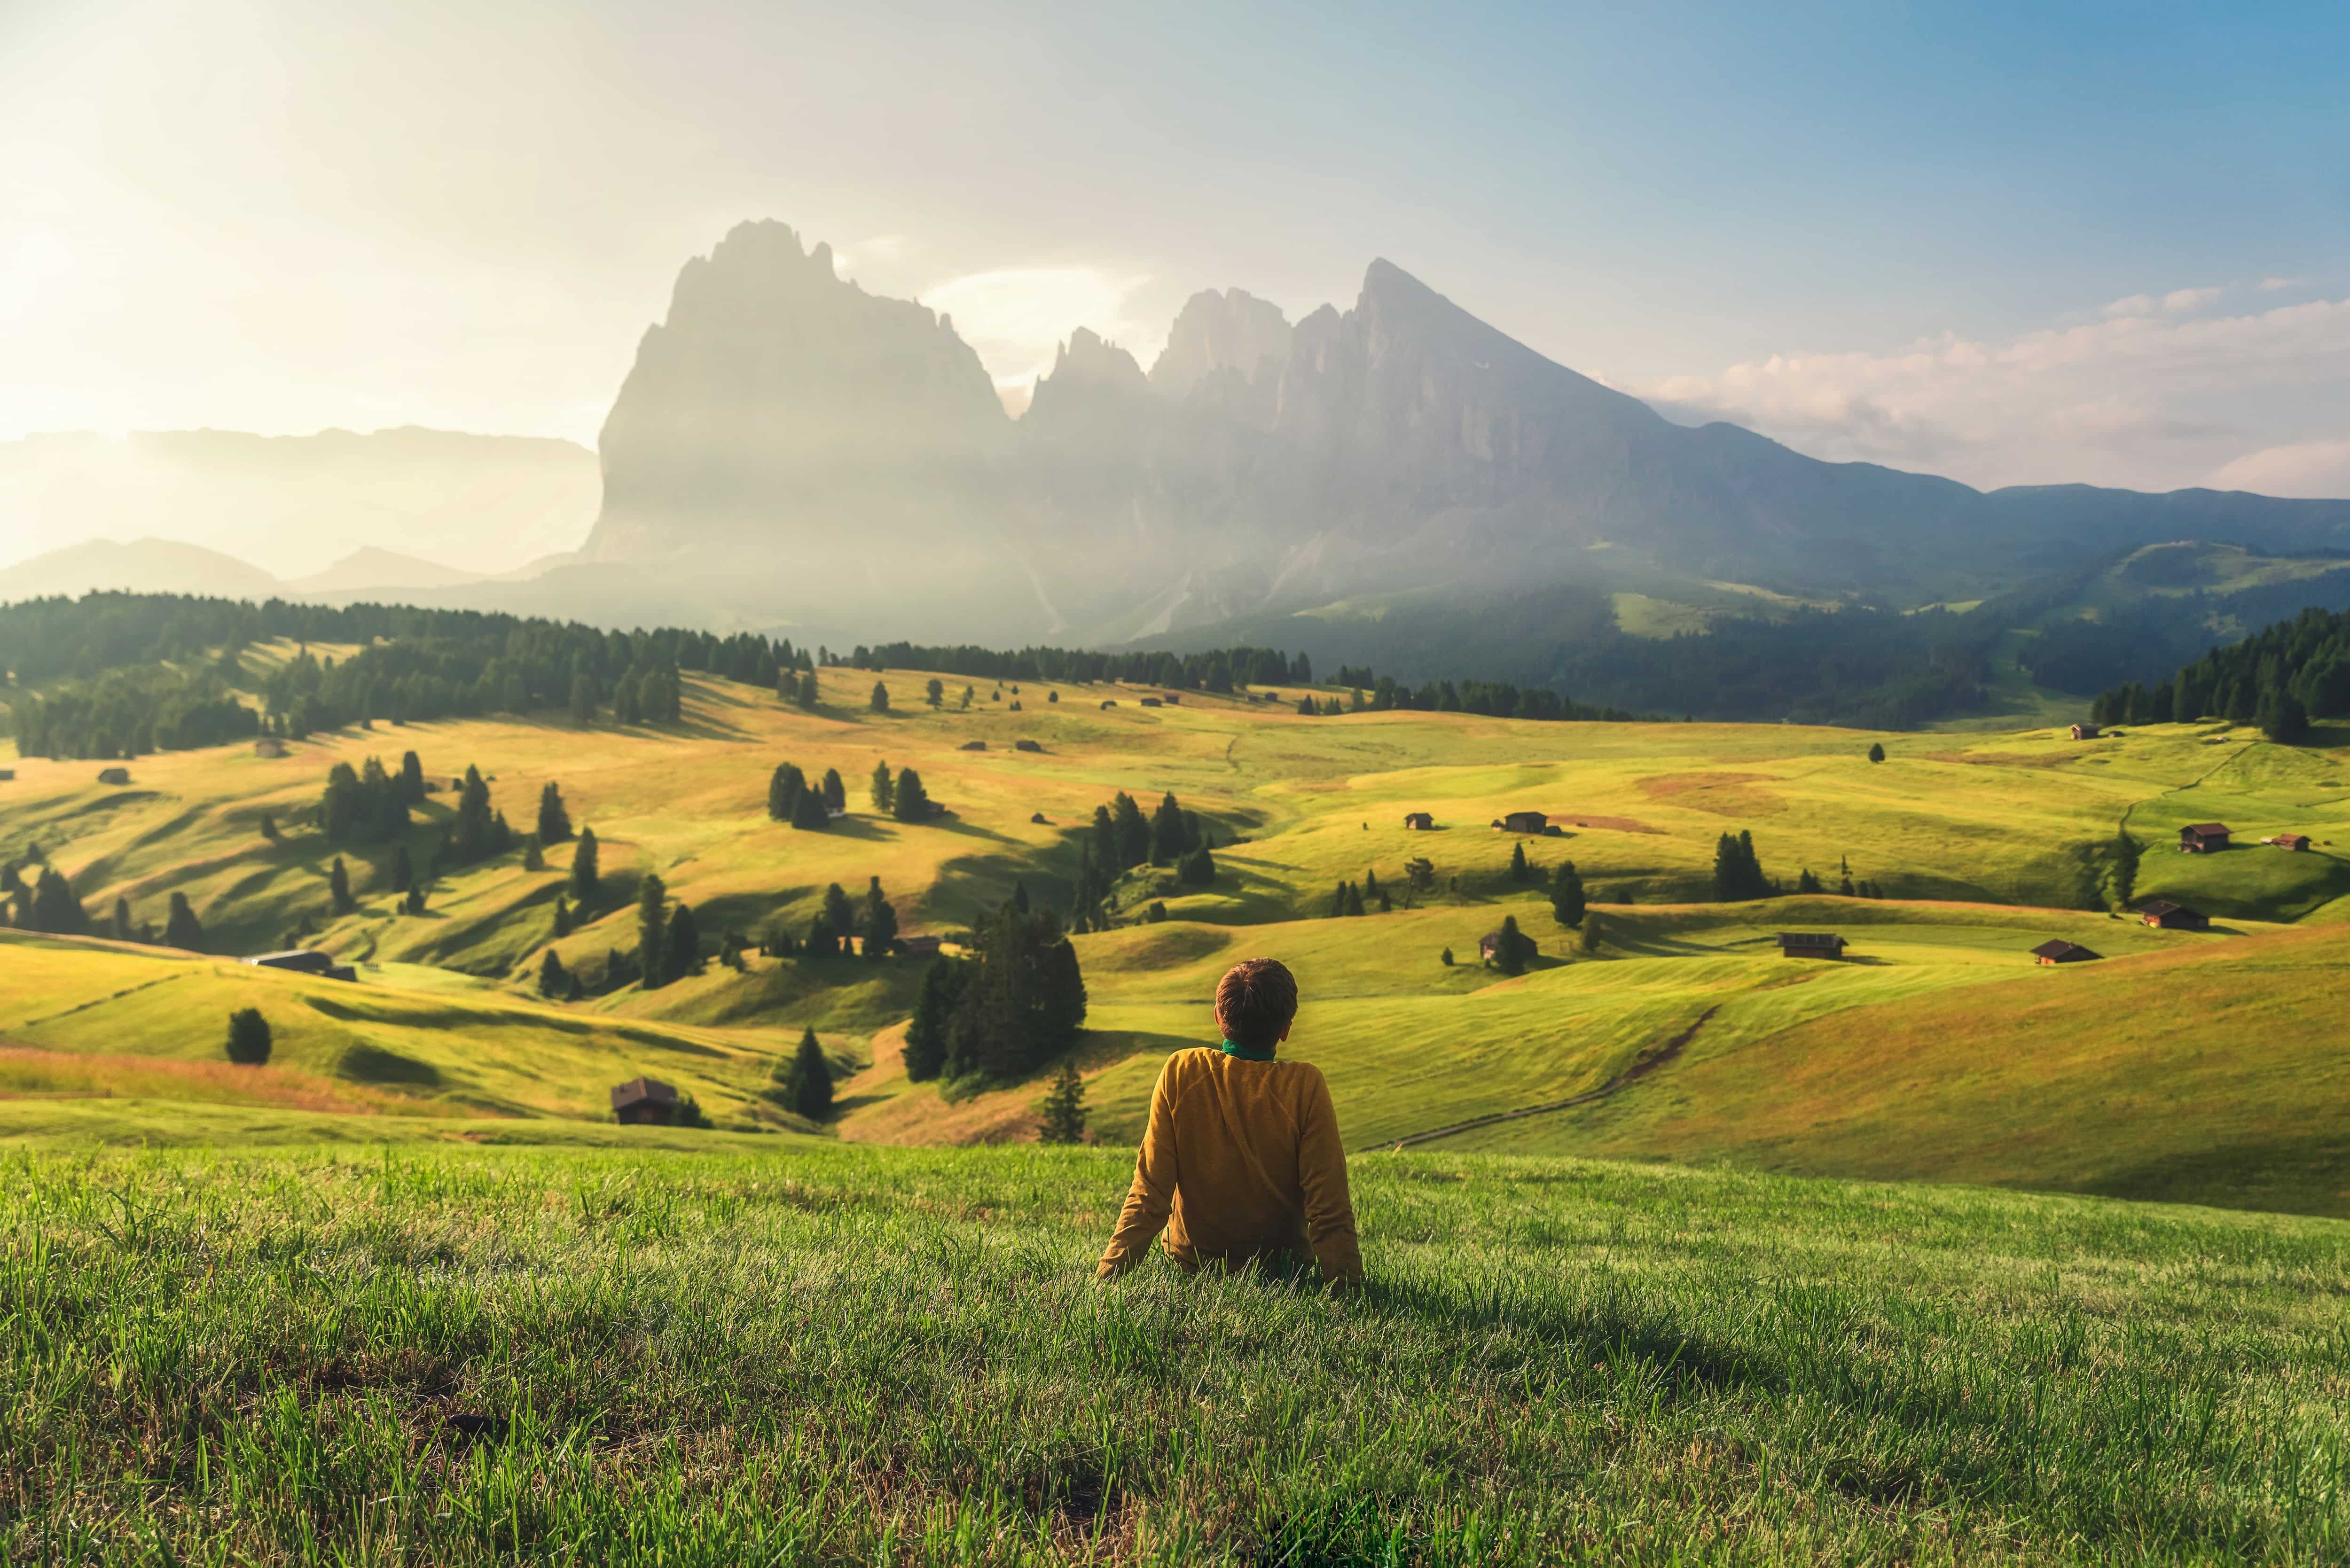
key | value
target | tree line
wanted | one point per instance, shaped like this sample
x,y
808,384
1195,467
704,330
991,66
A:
x,y
2280,677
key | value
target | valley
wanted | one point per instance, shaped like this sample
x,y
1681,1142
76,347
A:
x,y
1937,1049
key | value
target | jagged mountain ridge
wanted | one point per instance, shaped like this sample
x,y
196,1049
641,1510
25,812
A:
x,y
840,459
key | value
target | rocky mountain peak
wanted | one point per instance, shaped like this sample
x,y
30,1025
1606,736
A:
x,y
1227,330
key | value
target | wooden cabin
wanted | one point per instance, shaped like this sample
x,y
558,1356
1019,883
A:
x,y
644,1102
1418,822
1523,822
1170,699
2164,915
2297,842
270,746
918,947
2203,838
2084,731
972,746
304,960
1811,944
7,775
1489,946
114,776
1109,702
1151,701
2061,951
1026,746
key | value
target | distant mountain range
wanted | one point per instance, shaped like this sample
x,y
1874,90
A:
x,y
791,446
295,506
790,451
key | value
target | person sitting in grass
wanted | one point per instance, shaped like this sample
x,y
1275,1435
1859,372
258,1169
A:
x,y
1241,1159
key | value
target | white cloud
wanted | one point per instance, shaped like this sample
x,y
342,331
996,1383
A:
x,y
1017,318
2146,398
2184,300
2316,469
2271,285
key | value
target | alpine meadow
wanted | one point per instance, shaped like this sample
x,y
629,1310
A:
x,y
1646,861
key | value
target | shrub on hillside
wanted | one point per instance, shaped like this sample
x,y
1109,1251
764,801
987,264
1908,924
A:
x,y
248,1037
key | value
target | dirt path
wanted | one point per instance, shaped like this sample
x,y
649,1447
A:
x,y
1632,1074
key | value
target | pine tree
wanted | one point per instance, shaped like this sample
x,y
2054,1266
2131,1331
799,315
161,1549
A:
x,y
1514,948
338,887
553,979
119,928
966,699
586,880
1020,894
1025,1003
1306,706
881,791
572,989
1338,901
54,908
881,923
652,933
562,917
1353,899
785,787
1133,832
180,927
1567,902
411,779
248,1037
1370,887
835,793
1519,870
1737,874
1167,835
1061,1114
1199,868
1876,752
807,1089
1445,957
684,942
473,837
2283,719
1591,935
1807,883
583,699
808,694
532,858
910,803
1844,888
554,817
934,1014
839,911
934,692
879,700
808,815
822,940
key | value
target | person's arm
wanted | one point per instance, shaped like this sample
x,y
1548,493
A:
x,y
1322,1178
1152,1195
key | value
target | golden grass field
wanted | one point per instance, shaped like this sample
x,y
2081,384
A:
x,y
1936,1051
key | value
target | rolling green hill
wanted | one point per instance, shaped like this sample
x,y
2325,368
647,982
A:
x,y
1984,845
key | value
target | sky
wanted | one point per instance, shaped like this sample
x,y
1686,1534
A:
x,y
2014,243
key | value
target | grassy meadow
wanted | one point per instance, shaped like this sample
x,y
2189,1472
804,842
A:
x,y
791,1350
1702,1042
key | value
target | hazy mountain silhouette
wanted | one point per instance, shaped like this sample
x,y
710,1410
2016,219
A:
x,y
794,449
294,505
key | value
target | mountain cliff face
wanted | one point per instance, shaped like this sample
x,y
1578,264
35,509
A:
x,y
808,452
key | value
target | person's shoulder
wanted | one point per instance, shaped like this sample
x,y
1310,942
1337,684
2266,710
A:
x,y
1189,1059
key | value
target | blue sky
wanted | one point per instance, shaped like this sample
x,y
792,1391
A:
x,y
2013,243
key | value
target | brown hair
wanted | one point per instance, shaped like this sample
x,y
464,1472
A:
x,y
1254,1002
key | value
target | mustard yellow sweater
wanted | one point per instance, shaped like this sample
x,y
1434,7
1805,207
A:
x,y
1241,1159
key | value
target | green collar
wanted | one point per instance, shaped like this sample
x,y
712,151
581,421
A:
x,y
1246,1053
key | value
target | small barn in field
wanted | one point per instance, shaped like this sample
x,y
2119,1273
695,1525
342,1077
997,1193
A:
x,y
1151,701
304,960
644,1102
2084,731
2297,842
2164,915
7,775
1171,699
2061,951
972,746
1418,822
1489,946
1523,822
2203,838
1811,944
917,947
1026,746
114,776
